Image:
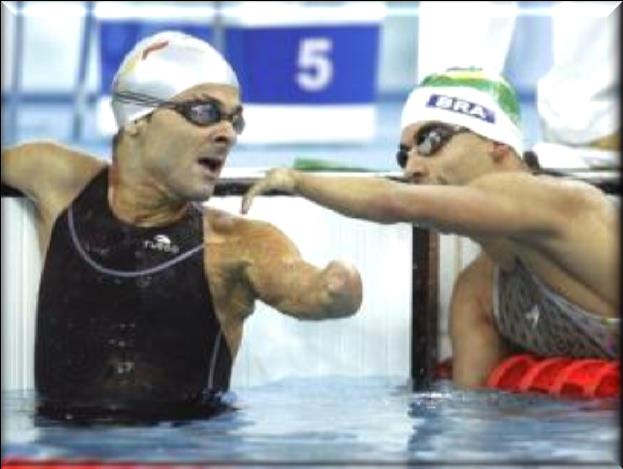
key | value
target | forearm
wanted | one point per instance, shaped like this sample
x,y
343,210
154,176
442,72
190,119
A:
x,y
365,198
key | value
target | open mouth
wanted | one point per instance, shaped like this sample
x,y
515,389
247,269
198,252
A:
x,y
213,164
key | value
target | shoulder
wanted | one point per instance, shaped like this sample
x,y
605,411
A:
x,y
48,165
54,151
68,171
569,194
511,180
225,222
247,232
49,173
71,162
521,179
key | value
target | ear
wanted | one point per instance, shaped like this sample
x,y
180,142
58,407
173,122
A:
x,y
498,151
133,128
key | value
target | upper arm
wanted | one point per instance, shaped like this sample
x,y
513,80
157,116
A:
x,y
48,173
281,278
276,271
508,205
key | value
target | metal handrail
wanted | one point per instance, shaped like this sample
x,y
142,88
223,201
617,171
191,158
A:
x,y
16,76
80,93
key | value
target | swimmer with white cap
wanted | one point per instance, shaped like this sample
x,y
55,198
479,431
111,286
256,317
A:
x,y
144,293
547,280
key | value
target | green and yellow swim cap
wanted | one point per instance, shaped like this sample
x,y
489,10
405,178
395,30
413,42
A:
x,y
481,101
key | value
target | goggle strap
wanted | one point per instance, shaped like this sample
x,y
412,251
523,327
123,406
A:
x,y
130,97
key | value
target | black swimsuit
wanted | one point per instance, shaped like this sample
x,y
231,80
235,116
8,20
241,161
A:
x,y
125,321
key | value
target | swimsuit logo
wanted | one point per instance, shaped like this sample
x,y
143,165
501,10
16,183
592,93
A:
x,y
161,243
533,316
461,106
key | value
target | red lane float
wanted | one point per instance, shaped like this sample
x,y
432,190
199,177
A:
x,y
558,376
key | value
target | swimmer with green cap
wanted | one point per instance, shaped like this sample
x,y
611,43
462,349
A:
x,y
547,279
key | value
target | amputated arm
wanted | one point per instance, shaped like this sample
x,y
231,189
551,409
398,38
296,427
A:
x,y
281,278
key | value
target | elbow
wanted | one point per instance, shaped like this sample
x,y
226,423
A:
x,y
344,290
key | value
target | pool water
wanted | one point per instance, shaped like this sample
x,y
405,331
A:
x,y
337,421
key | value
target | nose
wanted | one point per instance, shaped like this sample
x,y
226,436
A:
x,y
416,169
223,133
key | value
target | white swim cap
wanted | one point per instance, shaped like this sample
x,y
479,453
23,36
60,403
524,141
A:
x,y
162,66
472,98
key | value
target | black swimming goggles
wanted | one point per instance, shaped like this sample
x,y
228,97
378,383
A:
x,y
201,112
428,140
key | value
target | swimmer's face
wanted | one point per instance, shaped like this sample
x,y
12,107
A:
x,y
187,158
437,153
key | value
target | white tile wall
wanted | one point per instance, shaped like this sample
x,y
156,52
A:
x,y
21,268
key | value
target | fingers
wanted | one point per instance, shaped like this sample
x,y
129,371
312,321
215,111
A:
x,y
256,189
275,179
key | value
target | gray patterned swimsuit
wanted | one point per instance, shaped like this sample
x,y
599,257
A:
x,y
529,314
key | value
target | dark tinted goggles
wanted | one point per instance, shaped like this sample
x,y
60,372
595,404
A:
x,y
428,140
198,112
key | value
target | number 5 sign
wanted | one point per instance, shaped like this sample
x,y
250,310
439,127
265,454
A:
x,y
305,70
325,64
315,63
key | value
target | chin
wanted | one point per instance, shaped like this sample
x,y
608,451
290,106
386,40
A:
x,y
199,194
204,196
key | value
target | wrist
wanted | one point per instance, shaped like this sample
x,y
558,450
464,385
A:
x,y
295,180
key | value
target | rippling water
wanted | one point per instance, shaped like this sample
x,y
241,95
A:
x,y
341,421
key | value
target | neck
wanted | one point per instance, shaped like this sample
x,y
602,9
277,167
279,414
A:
x,y
141,202
505,166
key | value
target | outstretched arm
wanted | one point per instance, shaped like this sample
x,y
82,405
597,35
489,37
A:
x,y
281,278
513,205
